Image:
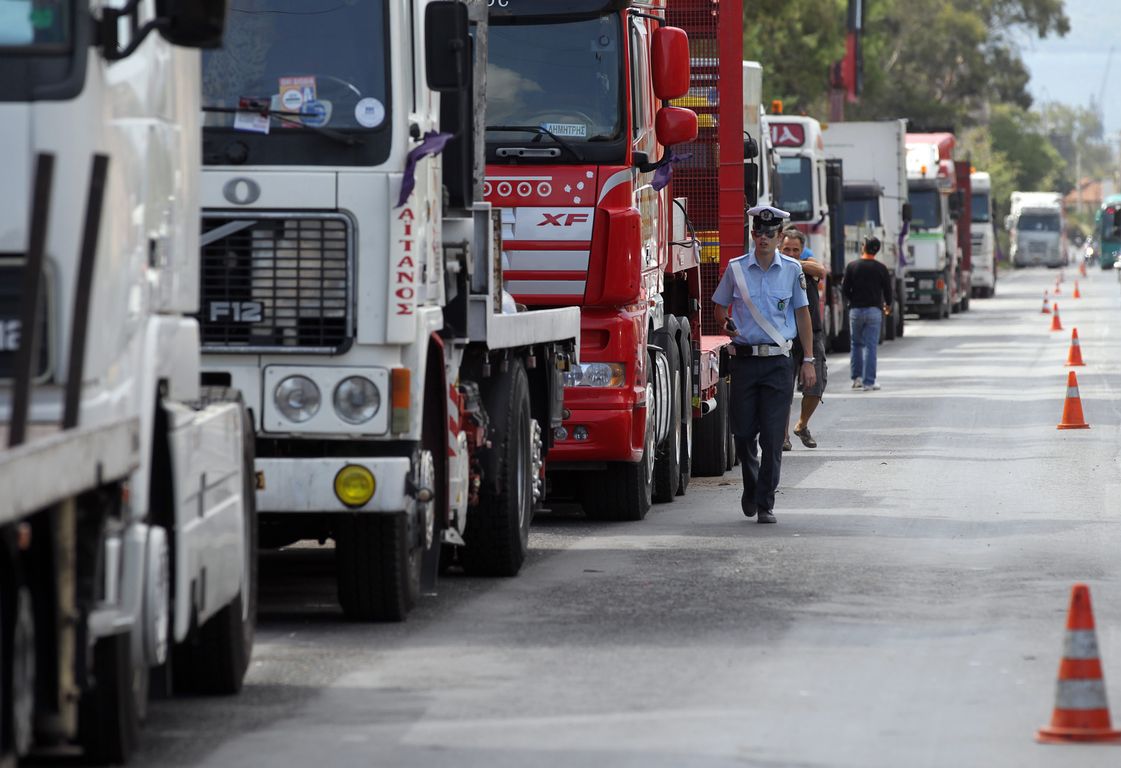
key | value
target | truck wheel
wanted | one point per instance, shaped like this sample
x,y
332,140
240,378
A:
x,y
889,324
710,442
17,673
108,719
497,531
899,323
377,572
685,346
215,661
667,462
626,490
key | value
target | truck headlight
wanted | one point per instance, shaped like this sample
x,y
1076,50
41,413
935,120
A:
x,y
596,375
297,398
357,400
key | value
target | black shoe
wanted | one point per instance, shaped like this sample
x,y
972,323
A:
x,y
747,505
766,516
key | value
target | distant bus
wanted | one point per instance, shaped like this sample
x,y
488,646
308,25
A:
x,y
1107,231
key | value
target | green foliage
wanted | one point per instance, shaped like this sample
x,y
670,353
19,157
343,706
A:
x,y
938,63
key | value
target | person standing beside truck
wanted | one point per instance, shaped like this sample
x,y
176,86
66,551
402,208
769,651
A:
x,y
761,304
794,247
867,287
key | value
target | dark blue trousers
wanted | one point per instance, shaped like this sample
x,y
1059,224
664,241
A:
x,y
761,391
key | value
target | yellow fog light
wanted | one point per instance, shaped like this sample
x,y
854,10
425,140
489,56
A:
x,y
355,485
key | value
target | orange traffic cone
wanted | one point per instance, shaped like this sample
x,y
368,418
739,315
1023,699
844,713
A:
x,y
1046,305
1077,295
1072,406
1074,356
1055,324
1081,711
1058,290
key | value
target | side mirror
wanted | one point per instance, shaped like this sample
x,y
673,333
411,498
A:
x,y
447,45
834,191
675,125
907,212
955,206
750,148
192,23
670,63
751,184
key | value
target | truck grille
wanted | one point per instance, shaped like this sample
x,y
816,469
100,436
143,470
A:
x,y
276,283
978,241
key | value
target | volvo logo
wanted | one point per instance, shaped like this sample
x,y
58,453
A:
x,y
241,191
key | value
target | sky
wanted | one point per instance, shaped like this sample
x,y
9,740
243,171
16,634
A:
x,y
1071,69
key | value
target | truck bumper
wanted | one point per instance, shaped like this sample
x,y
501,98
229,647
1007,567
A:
x,y
611,436
308,485
922,295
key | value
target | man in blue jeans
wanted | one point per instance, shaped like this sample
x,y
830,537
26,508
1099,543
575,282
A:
x,y
867,287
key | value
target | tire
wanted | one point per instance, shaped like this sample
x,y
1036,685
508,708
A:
x,y
108,720
900,323
377,573
667,461
627,489
889,326
497,532
215,661
685,347
17,669
710,437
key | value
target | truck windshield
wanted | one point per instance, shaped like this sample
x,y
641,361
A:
x,y
1038,222
926,208
562,75
795,187
34,26
981,214
861,209
313,68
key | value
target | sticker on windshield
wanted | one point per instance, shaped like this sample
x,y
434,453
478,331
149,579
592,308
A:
x,y
369,112
316,114
567,130
249,116
295,92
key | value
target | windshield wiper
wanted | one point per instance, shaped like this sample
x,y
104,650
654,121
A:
x,y
293,120
540,130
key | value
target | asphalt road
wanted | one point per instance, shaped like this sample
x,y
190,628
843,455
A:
x,y
907,610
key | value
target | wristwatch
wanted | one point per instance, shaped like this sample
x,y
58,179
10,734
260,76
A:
x,y
807,360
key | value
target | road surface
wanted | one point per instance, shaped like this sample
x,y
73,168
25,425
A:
x,y
907,610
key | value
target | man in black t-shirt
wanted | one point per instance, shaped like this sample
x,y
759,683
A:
x,y
867,287
794,246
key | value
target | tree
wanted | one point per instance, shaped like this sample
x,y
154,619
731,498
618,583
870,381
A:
x,y
939,63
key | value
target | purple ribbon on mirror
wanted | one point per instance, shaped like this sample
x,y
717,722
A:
x,y
432,144
903,236
664,174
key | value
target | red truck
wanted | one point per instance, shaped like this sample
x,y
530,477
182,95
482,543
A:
x,y
581,141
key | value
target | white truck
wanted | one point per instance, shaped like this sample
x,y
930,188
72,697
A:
x,y
874,156
352,288
1036,225
765,160
935,274
127,530
983,235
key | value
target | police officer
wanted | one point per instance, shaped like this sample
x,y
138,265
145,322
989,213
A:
x,y
766,295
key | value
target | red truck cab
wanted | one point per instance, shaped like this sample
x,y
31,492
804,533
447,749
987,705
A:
x,y
579,131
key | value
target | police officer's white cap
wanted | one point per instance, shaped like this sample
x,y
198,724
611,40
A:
x,y
768,215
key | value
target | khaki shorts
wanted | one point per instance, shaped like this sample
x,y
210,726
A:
x,y
818,389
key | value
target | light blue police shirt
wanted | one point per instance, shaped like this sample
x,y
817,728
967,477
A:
x,y
776,293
